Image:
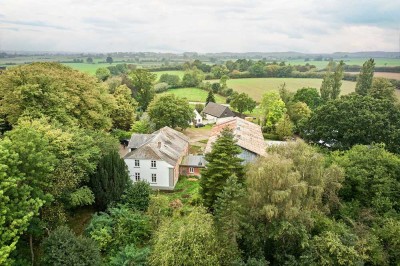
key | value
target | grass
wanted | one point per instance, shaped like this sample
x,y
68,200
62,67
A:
x,y
256,87
172,72
348,61
186,190
87,68
193,94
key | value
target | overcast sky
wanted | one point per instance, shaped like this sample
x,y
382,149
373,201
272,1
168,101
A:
x,y
201,26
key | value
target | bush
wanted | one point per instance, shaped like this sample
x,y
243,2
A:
x,y
161,87
63,247
130,255
137,196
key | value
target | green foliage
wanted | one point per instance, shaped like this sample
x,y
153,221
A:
x,y
284,127
171,80
299,112
389,235
273,108
192,78
285,94
187,240
219,70
222,163
310,96
141,127
17,203
137,196
103,73
171,111
118,228
242,102
364,79
110,179
158,210
382,89
81,197
337,80
124,113
57,91
62,247
130,255
355,119
199,107
142,81
327,83
210,97
371,177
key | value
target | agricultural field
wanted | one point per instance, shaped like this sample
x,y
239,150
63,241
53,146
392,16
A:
x,y
193,94
172,72
348,61
256,87
88,68
382,75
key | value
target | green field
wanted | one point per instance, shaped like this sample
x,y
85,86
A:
x,y
172,72
256,87
348,61
87,68
193,94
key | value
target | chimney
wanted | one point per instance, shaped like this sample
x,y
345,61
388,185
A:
x,y
159,144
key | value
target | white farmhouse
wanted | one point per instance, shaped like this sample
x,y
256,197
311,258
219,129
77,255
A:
x,y
156,157
197,117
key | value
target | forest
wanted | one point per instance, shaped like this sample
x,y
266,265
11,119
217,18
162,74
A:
x,y
330,197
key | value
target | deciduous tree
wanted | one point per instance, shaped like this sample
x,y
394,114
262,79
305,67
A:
x,y
124,114
142,82
364,79
242,102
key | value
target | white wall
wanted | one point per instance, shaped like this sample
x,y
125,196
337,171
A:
x,y
145,170
210,119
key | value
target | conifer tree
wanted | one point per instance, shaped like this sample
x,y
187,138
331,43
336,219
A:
x,y
210,97
337,80
110,179
364,79
223,161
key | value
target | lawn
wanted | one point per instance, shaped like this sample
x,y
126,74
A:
x,y
193,94
256,87
172,72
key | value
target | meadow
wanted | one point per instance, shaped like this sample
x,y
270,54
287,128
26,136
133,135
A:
x,y
256,87
192,94
348,61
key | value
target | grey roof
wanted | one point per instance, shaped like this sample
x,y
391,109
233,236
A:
x,y
217,110
194,160
165,144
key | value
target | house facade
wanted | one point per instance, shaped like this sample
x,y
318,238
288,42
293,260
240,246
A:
x,y
198,119
247,134
156,157
192,165
214,111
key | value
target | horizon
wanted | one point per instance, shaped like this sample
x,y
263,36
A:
x,y
205,27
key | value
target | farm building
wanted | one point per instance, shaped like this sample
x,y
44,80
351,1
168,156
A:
x,y
156,157
198,119
192,165
247,134
214,111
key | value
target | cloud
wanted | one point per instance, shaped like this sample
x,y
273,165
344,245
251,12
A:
x,y
202,26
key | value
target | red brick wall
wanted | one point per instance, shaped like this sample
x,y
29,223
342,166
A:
x,y
184,170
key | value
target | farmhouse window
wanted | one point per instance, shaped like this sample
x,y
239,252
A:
x,y
137,163
154,178
153,164
137,176
191,170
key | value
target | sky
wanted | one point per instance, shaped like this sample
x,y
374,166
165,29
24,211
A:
x,y
177,26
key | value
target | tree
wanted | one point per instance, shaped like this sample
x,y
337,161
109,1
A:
x,y
285,94
284,127
142,82
355,119
210,97
257,70
219,70
223,81
229,216
371,177
124,114
310,96
171,111
273,108
89,60
364,79
171,80
103,73
109,60
326,86
242,102
137,196
110,179
216,87
192,78
337,80
17,204
130,255
199,107
188,240
63,247
223,162
382,89
56,91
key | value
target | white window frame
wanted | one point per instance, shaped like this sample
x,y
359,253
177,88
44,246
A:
x,y
153,164
191,170
153,178
137,176
137,163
